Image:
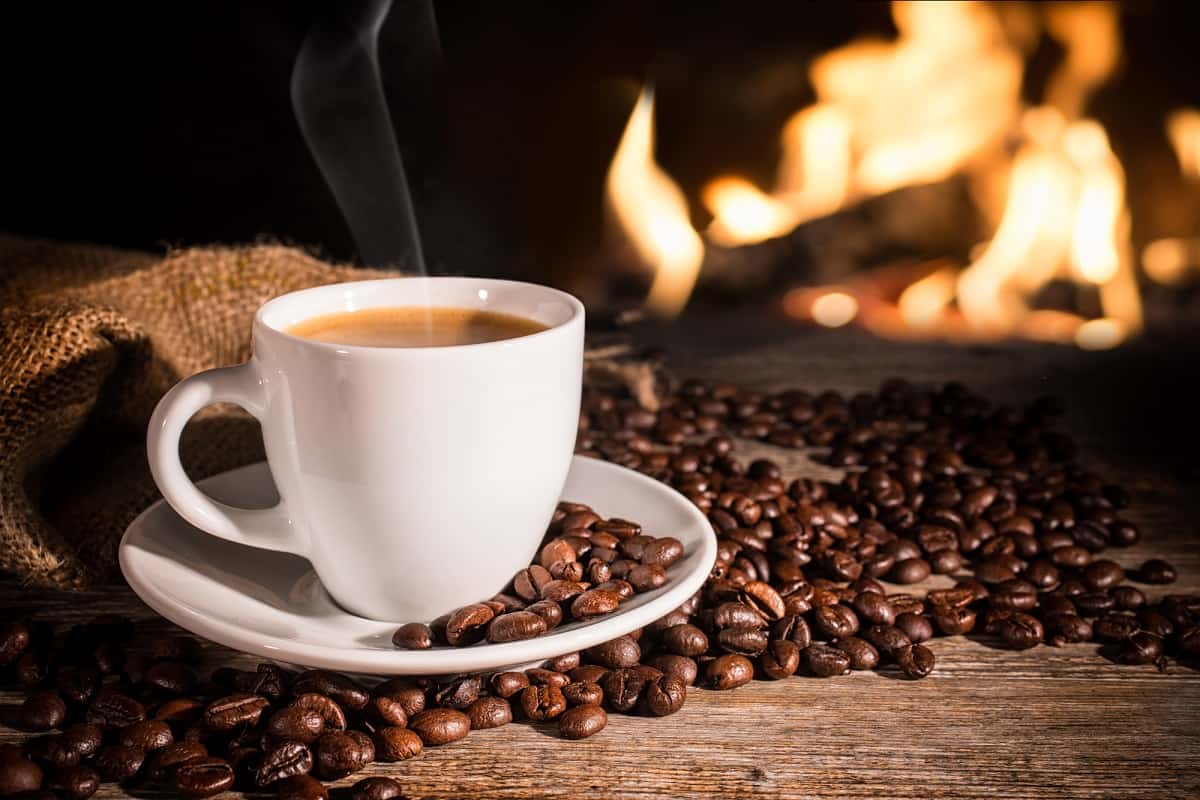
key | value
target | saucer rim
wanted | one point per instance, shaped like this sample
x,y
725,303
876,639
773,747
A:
x,y
480,657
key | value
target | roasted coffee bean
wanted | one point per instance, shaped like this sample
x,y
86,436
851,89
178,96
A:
x,y
233,712
1114,627
874,608
1103,574
1093,604
824,661
437,726
681,667
14,639
916,661
862,653
1142,647
1020,631
413,636
528,582
83,738
283,761
743,641
507,684
52,751
541,703
581,722
727,672
953,621
459,693
887,638
77,684
180,710
779,660
1128,598
116,762
73,783
383,710
147,735
564,663
1153,622
489,712
398,744
664,695
539,676
304,725
645,577
41,711
1155,571
341,753
620,652
684,640
515,626
268,680
171,676
1067,628
664,551
594,603
916,627
583,693
376,788
911,570
764,599
467,625
331,713
623,689
834,622
342,690
302,787
161,766
203,777
112,709
793,628
19,775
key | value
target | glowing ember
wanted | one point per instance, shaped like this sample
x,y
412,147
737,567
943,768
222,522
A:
x,y
924,302
834,309
1101,334
652,212
1183,129
1167,261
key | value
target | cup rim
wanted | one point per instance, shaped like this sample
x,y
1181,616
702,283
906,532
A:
x,y
576,307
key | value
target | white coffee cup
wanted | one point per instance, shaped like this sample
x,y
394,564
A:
x,y
414,479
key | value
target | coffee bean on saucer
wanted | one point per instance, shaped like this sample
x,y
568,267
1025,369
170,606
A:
x,y
413,636
516,626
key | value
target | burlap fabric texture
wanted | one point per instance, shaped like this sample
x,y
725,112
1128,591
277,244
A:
x,y
90,339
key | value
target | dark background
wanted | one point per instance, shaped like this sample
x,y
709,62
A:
x,y
146,125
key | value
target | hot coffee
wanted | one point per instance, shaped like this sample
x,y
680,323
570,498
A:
x,y
414,326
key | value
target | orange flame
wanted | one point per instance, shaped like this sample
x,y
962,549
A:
x,y
653,213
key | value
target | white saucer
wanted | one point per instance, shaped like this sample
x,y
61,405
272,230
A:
x,y
272,604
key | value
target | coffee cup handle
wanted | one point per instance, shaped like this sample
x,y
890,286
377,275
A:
x,y
268,528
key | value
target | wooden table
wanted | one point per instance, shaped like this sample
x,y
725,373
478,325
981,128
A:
x,y
1051,722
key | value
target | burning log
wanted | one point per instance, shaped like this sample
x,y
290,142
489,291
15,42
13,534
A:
x,y
910,222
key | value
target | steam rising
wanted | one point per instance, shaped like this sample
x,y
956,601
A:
x,y
338,98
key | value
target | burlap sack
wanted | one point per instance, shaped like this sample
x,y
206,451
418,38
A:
x,y
90,339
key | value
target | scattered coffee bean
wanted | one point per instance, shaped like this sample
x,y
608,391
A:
x,y
283,761
398,744
73,783
42,711
489,712
1156,571
117,762
438,726
19,775
915,660
376,788
302,787
203,777
581,722
341,753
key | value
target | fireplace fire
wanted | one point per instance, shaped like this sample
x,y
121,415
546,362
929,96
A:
x,y
1034,189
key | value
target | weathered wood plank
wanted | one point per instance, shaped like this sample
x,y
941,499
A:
x,y
1051,722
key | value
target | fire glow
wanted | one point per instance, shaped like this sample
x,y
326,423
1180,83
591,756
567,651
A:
x,y
941,99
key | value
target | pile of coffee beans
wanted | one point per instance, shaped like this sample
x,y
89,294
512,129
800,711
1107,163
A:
x,y
587,566
936,481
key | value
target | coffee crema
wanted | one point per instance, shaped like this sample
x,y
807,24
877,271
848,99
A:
x,y
414,326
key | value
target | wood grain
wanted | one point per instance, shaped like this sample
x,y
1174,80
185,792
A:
x,y
1051,722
